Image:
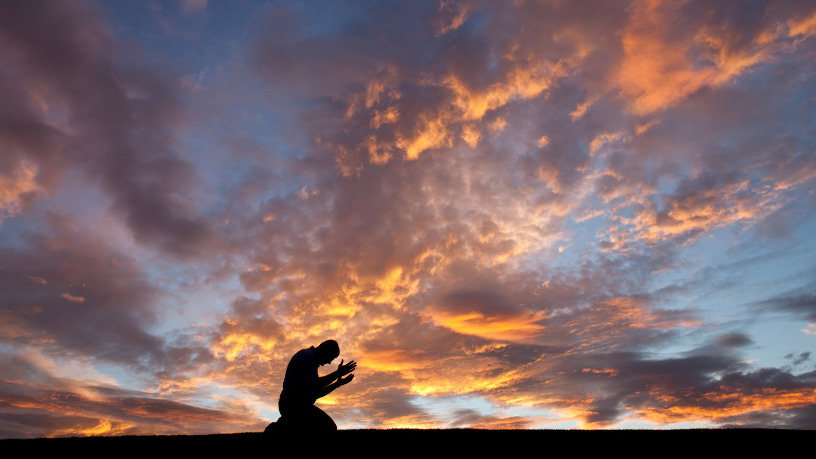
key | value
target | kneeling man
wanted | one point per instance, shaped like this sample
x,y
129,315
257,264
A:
x,y
302,387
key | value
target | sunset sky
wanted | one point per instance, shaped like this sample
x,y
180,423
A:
x,y
511,214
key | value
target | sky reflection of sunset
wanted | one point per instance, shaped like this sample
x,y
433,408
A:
x,y
510,214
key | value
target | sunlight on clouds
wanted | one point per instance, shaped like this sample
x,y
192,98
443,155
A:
x,y
327,400
391,289
457,14
582,108
231,346
704,211
431,133
657,73
396,360
72,298
606,371
550,177
170,385
413,421
394,288
604,139
712,406
797,177
505,204
802,26
498,125
641,129
446,381
102,428
471,135
523,82
520,328
391,115
434,128
15,188
378,153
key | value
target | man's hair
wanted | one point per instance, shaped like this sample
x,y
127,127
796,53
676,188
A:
x,y
330,347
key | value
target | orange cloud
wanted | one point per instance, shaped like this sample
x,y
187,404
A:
x,y
805,25
521,327
724,404
389,116
704,211
582,108
60,413
395,360
431,132
657,71
14,189
471,135
522,82
72,298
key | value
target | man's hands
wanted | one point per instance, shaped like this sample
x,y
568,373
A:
x,y
343,370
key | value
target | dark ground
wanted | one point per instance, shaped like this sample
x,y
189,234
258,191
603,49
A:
x,y
423,443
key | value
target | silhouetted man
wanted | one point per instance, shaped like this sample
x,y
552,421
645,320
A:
x,y
302,386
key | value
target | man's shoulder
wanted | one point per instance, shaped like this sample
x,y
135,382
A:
x,y
307,353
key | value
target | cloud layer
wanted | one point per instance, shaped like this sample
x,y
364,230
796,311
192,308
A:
x,y
511,215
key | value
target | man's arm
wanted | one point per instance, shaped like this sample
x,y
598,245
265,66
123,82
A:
x,y
328,389
342,370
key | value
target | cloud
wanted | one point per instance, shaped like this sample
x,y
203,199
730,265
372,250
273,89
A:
x,y
18,190
734,340
477,200
485,314
803,357
473,420
75,107
657,71
802,305
34,410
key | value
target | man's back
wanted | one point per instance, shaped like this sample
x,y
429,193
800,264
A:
x,y
301,376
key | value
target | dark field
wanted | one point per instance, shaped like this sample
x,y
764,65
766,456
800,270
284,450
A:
x,y
425,443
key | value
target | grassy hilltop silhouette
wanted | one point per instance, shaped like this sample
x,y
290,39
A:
x,y
454,442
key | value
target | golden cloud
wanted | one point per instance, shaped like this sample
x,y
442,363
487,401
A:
x,y
520,327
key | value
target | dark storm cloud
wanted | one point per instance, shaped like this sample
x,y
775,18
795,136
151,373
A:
x,y
73,103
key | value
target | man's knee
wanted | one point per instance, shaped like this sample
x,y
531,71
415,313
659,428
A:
x,y
312,419
322,421
329,425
